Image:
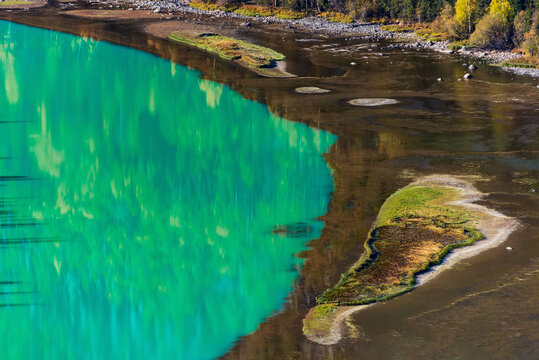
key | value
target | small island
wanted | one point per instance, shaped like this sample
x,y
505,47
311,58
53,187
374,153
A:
x,y
258,58
415,229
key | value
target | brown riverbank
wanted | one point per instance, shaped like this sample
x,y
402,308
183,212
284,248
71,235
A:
x,y
483,127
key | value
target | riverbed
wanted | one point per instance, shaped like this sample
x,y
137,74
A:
x,y
484,130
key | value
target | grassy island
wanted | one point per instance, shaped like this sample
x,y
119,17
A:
x,y
258,58
415,229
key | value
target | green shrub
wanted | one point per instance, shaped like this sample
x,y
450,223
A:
x,y
491,32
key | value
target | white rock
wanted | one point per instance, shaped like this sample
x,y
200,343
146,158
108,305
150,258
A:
x,y
353,63
467,76
509,248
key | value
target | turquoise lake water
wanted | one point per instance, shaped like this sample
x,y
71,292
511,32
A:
x,y
137,203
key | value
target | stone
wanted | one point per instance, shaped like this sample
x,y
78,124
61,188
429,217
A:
x,y
440,79
353,63
373,102
468,76
311,90
509,248
246,24
472,67
157,10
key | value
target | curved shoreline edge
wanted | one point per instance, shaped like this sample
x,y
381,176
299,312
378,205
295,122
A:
x,y
495,227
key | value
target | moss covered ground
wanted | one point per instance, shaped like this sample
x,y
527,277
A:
x,y
8,3
246,54
415,229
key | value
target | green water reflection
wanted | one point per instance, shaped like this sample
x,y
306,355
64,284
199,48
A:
x,y
155,193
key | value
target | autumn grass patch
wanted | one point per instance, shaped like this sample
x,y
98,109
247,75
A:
x,y
414,230
207,6
457,45
258,10
336,17
16,2
430,35
531,62
247,54
397,28
319,318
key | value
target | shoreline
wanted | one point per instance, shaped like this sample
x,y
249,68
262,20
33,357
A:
x,y
310,25
319,26
338,224
494,226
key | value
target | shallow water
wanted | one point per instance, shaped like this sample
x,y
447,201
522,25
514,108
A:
x,y
138,203
485,130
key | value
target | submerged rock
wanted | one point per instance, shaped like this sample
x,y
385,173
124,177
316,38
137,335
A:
x,y
372,102
311,90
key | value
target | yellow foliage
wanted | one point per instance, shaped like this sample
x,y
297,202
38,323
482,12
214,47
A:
x,y
502,8
464,10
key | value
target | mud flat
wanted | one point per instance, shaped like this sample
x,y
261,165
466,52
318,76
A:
x,y
433,221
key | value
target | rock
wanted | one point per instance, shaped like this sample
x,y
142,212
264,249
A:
x,y
311,90
464,64
372,102
246,24
468,76
509,248
353,63
430,43
157,10
439,79
472,67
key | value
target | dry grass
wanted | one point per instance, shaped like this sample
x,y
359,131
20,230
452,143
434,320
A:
x,y
336,17
415,229
523,62
228,48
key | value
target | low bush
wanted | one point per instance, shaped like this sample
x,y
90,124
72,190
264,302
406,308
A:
x,y
491,32
531,45
336,17
397,28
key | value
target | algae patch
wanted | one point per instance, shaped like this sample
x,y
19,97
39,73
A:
x,y
258,58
